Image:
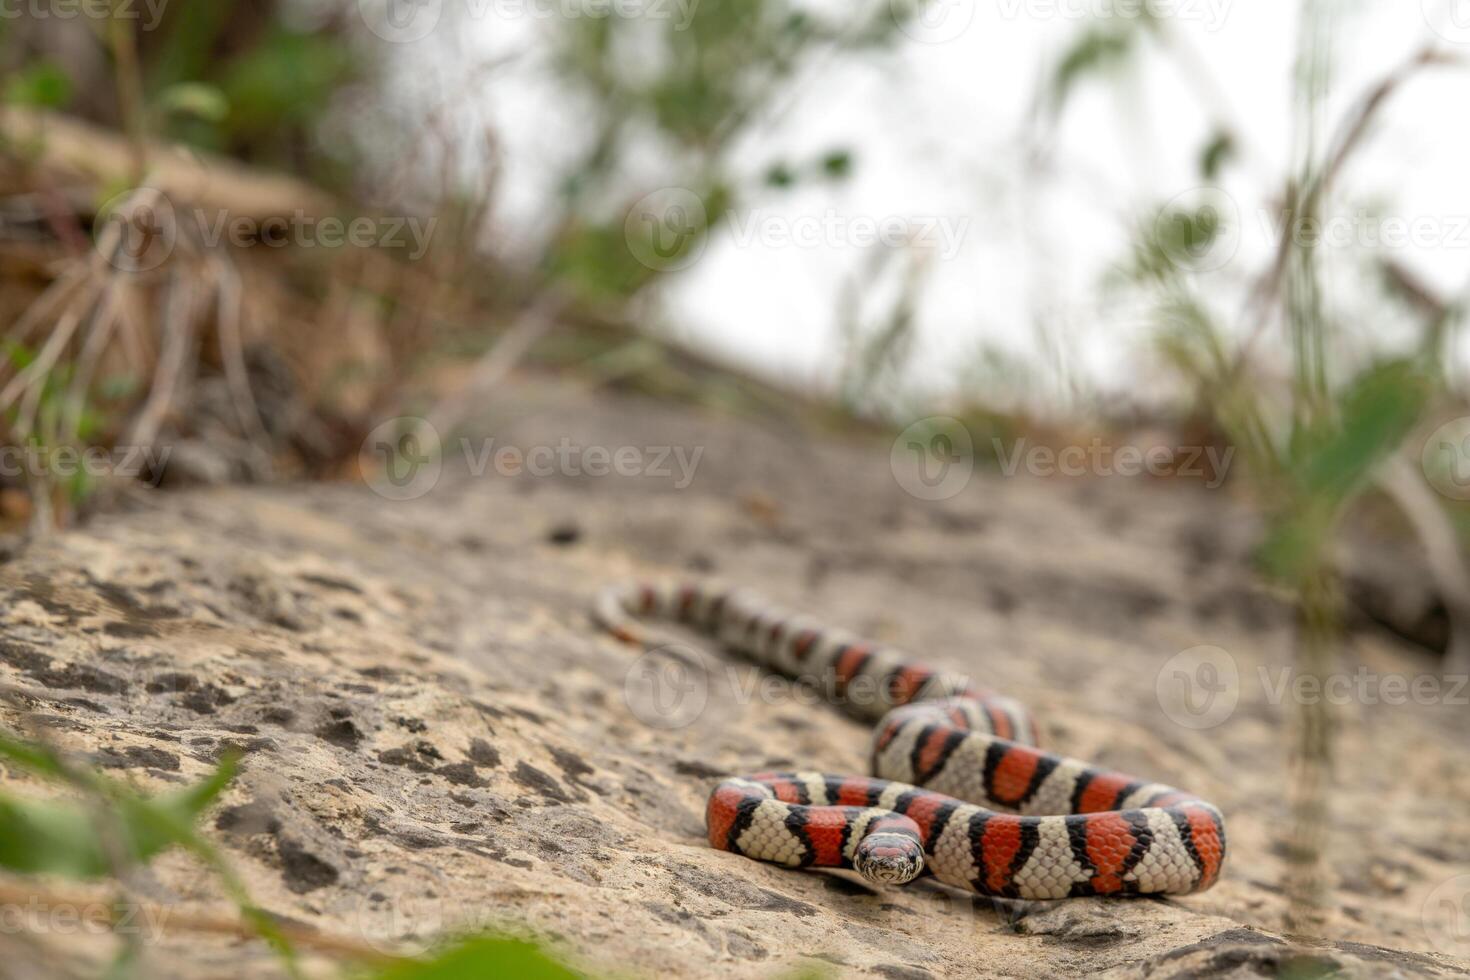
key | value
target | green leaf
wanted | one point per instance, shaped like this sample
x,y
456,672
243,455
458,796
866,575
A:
x,y
1330,466
483,957
1095,52
195,99
43,86
1217,152
780,175
1376,413
62,836
837,164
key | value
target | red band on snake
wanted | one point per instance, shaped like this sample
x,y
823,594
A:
x,y
960,789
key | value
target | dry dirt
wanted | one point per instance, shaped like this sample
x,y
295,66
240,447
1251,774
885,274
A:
x,y
436,737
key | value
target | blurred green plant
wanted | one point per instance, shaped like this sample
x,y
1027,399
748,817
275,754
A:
x,y
1314,449
696,88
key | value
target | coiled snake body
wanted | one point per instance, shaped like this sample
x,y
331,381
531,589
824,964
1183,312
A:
x,y
947,757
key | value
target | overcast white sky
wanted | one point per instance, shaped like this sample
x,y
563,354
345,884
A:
x,y
937,134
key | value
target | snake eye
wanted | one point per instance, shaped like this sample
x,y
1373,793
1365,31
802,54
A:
x,y
889,859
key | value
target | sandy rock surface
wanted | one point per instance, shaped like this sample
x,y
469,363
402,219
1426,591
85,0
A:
x,y
436,738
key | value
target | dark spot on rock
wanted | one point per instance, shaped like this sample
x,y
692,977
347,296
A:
x,y
254,817
894,971
846,886
22,657
92,706
565,535
699,770
776,902
278,716
303,871
539,782
327,582
417,756
244,748
206,699
341,733
496,854
172,682
420,841
40,590
461,774
464,828
571,764
482,753
138,757
81,677
743,947
1003,600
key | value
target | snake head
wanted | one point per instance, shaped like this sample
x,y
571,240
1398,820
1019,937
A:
x,y
887,858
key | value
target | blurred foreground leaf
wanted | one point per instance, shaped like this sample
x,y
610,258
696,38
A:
x,y
43,85
1329,465
63,836
481,959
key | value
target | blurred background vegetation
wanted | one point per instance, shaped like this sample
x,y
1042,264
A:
x,y
266,363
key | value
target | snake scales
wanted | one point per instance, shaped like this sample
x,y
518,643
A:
x,y
947,759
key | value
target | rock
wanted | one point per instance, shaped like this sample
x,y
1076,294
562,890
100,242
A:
x,y
438,739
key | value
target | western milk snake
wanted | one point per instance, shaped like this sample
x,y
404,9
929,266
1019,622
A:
x,y
947,757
